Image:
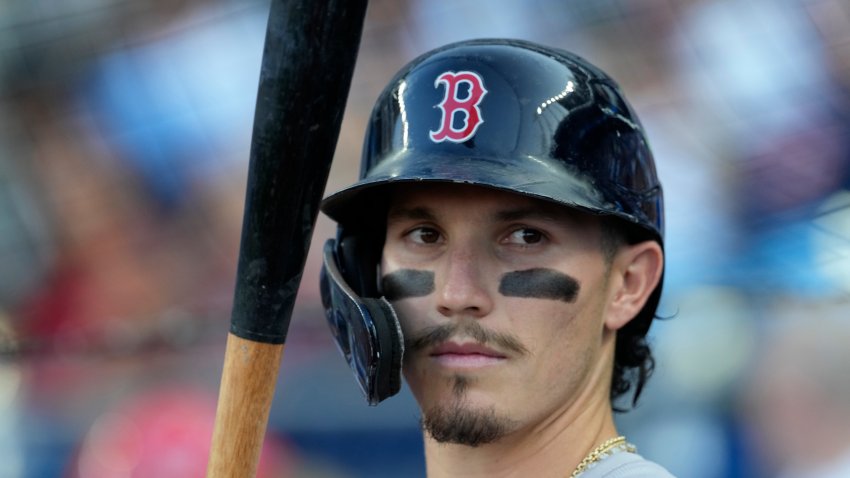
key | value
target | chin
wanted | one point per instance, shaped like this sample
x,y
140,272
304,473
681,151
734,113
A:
x,y
455,388
460,422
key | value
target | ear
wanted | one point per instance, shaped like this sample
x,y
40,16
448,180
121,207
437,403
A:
x,y
635,271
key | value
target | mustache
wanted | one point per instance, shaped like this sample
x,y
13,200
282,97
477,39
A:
x,y
432,336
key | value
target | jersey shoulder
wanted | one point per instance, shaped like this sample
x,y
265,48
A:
x,y
626,465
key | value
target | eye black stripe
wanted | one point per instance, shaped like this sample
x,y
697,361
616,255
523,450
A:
x,y
405,283
539,283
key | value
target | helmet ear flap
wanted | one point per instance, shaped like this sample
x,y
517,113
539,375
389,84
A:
x,y
390,345
359,258
366,328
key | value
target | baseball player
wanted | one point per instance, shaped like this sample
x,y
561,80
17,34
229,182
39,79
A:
x,y
503,249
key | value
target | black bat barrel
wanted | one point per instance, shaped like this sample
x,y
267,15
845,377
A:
x,y
308,61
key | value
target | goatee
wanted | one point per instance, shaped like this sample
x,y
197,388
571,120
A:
x,y
461,424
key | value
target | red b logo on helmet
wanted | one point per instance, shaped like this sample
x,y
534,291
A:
x,y
452,106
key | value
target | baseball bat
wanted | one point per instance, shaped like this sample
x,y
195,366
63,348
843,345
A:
x,y
308,60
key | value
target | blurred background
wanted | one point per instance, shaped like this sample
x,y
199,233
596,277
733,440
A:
x,y
124,138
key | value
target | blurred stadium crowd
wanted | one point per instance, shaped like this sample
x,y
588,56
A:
x,y
124,137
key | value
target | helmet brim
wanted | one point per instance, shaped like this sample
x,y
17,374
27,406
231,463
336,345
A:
x,y
527,176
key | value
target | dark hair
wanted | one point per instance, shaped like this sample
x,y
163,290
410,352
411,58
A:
x,y
633,365
633,361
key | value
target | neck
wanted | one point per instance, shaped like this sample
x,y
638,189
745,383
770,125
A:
x,y
553,446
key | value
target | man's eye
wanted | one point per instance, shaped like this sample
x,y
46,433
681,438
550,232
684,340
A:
x,y
525,236
424,235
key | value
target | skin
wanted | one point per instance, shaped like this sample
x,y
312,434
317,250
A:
x,y
539,364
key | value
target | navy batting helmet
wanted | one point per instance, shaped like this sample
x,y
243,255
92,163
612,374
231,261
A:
x,y
503,114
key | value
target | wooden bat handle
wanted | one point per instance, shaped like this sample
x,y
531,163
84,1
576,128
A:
x,y
247,388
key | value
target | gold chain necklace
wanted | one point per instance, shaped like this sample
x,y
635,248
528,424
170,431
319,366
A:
x,y
601,452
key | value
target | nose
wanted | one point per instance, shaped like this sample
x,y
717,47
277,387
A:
x,y
462,289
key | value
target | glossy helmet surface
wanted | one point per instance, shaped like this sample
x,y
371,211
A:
x,y
509,115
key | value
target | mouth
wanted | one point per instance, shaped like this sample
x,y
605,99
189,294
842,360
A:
x,y
466,355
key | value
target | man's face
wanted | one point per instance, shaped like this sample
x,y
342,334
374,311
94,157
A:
x,y
501,300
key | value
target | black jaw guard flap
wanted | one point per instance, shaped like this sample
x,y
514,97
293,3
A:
x,y
366,330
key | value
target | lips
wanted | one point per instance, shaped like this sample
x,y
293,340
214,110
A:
x,y
452,354
452,348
